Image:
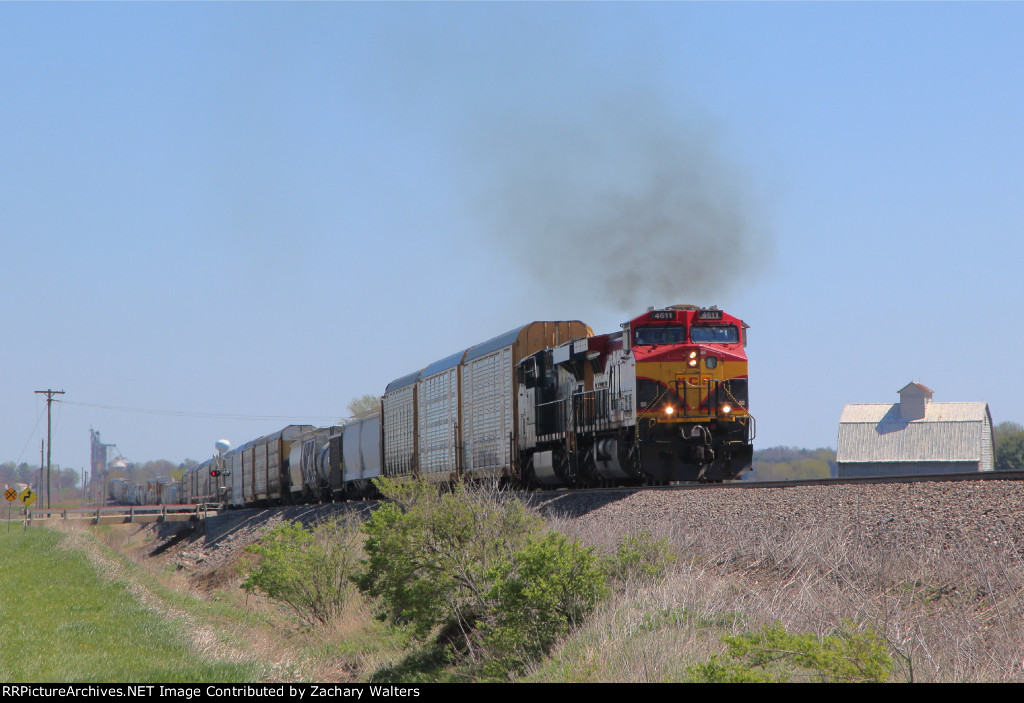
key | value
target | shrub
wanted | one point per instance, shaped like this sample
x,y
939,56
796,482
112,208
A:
x,y
308,570
774,655
428,554
475,569
537,597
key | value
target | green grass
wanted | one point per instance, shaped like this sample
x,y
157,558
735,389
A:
x,y
60,621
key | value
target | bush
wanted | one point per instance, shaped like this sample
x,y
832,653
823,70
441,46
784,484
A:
x,y
428,554
308,570
475,570
537,597
773,655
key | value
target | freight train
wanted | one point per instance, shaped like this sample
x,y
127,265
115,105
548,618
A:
x,y
548,404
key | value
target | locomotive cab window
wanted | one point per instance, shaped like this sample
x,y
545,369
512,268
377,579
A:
x,y
650,336
715,334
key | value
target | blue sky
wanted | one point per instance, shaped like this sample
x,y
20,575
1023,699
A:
x,y
247,214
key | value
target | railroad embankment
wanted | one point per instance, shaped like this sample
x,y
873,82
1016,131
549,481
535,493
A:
x,y
935,569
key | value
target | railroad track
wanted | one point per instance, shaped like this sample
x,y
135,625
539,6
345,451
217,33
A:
x,y
730,485
182,513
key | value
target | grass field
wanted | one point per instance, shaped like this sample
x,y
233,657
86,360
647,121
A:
x,y
61,622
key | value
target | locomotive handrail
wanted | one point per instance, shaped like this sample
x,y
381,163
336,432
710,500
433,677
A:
x,y
593,409
560,417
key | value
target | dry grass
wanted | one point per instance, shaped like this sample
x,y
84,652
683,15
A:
x,y
948,614
950,605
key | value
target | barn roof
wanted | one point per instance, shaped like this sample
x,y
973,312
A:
x,y
948,432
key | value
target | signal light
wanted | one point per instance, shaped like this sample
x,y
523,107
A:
x,y
214,473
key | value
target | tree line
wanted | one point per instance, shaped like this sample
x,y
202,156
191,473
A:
x,y
11,473
791,463
784,463
1009,446
61,479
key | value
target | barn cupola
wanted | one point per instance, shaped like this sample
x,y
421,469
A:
x,y
914,400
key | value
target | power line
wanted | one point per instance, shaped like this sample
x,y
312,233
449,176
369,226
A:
x,y
183,413
33,434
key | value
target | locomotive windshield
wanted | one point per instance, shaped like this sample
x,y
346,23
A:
x,y
651,336
715,334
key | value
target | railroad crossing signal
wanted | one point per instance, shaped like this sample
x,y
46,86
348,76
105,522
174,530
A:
x,y
27,497
10,494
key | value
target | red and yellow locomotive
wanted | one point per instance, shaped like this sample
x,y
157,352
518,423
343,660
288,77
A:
x,y
665,399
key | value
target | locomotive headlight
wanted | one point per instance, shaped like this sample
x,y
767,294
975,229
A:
x,y
669,410
693,355
726,408
692,362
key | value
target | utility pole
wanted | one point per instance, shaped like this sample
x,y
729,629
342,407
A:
x,y
49,401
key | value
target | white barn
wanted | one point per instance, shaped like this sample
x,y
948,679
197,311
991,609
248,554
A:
x,y
914,436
